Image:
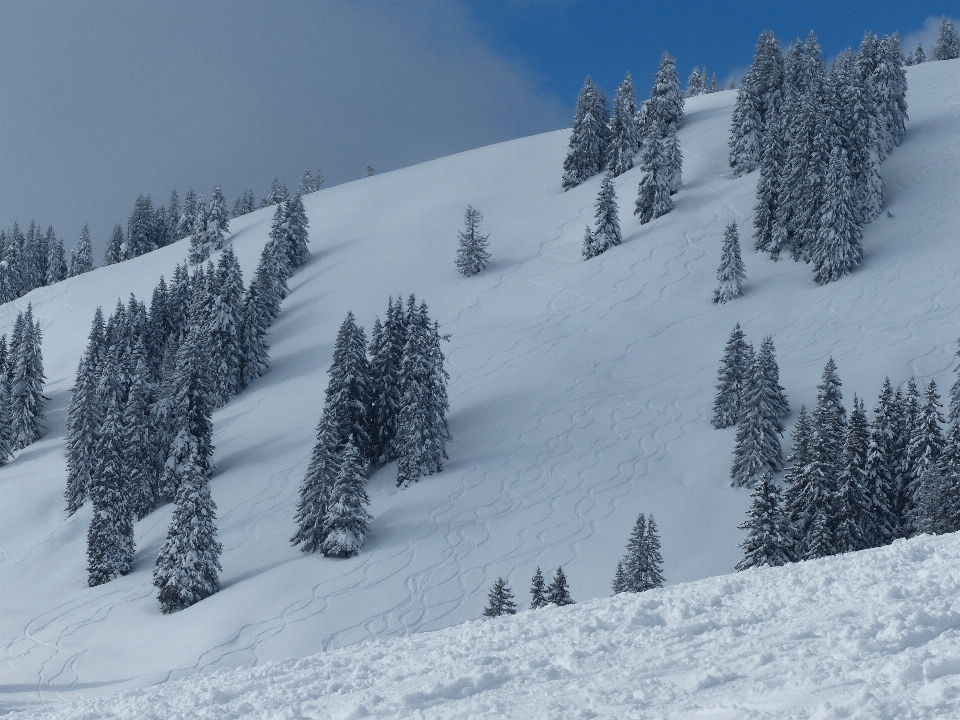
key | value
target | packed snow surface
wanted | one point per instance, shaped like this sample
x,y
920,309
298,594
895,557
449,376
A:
x,y
580,396
872,635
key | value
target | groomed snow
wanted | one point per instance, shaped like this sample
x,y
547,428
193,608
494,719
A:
x,y
580,395
872,635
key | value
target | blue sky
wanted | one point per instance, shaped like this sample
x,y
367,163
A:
x,y
103,99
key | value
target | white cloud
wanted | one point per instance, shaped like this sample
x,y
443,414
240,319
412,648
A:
x,y
926,36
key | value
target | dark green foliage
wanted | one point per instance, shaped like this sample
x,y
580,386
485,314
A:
x,y
347,520
538,592
733,376
472,254
558,593
500,600
769,541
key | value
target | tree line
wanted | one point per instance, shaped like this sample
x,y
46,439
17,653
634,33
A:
x,y
22,400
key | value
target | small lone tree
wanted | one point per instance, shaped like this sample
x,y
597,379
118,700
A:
x,y
607,234
370,171
558,593
538,591
768,540
347,520
731,272
472,254
500,600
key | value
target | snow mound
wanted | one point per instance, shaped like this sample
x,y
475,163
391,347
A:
x,y
874,634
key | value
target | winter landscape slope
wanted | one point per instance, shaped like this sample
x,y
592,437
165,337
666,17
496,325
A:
x,y
580,395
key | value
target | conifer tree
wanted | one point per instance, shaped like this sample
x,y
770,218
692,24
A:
x,y
891,88
732,377
81,257
347,520
139,458
746,131
189,216
306,182
855,518
768,362
116,247
839,246
6,428
919,56
188,564
731,272
653,195
225,328
881,471
386,357
589,139
607,233
948,41
500,601
624,133
620,578
84,417
278,194
255,353
56,262
472,254
347,403
859,130
538,592
758,429
558,593
370,171
768,541
923,452
218,220
674,160
280,242
199,245
820,543
768,75
297,234
666,98
316,491
270,282
140,229
27,400
589,248
695,84
794,479
772,156
110,546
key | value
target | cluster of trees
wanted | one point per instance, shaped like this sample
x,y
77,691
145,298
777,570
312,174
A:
x,y
697,83
21,386
749,395
34,259
501,602
854,484
472,253
384,401
818,139
642,566
947,46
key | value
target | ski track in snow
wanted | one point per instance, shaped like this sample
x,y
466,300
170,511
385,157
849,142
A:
x,y
580,392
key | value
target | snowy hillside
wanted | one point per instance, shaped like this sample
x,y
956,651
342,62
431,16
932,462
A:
x,y
580,395
868,635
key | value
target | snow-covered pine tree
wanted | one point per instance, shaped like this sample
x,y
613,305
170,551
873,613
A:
x,y
370,171
731,272
188,564
81,257
732,378
651,562
472,254
538,591
110,546
631,569
255,353
6,428
746,129
820,544
695,84
318,179
56,262
768,541
859,137
218,220
624,133
588,248
298,236
855,519
768,362
938,502
306,182
199,246
500,600
140,230
919,56
839,246
189,215
906,413
891,89
653,195
589,139
347,403
607,233
948,41
558,593
225,328
953,413
316,490
801,453
438,402
347,520
620,578
923,452
674,159
270,281
666,98
116,246
758,429
278,194
27,400
84,417
881,471
767,74
279,243
246,203
140,468
386,358
772,157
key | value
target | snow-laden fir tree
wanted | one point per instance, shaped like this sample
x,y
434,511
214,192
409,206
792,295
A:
x,y
839,246
472,253
218,220
746,129
199,246
731,272
732,377
270,282
674,159
642,565
81,257
188,564
653,195
27,401
624,133
558,593
538,591
859,127
316,490
141,470
255,353
56,262
140,229
298,236
306,182
347,399
696,84
280,242
906,412
891,90
6,429
607,232
318,179
116,246
771,370
768,541
370,171
881,470
620,578
767,74
110,546
500,600
938,503
84,417
588,248
948,41
589,139
347,520
758,430
225,328
278,194
953,413
245,204
855,520
386,354
923,452
919,56
772,157
666,97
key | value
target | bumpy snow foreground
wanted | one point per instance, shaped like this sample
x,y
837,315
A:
x,y
872,635
580,395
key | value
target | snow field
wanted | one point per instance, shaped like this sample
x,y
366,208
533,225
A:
x,y
580,395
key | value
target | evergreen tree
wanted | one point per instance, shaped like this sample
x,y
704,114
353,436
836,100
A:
x,y
139,459
140,229
81,257
620,578
795,477
772,156
110,547
607,234
948,42
891,87
370,171
245,204
695,84
278,194
270,282
731,272
318,180
26,391
188,565
116,247
557,592
6,428
306,182
297,234
855,518
624,133
255,353
199,245
653,195
500,600
84,418
767,73
316,491
820,543
881,473
538,591
919,56
746,131
472,254
386,357
839,246
758,429
768,363
280,242
666,98
173,218
191,209
768,541
642,565
347,520
859,136
347,404
733,376
56,262
589,139
218,220
224,332
674,160
923,452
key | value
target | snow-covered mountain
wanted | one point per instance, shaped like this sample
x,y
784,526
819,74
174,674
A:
x,y
580,396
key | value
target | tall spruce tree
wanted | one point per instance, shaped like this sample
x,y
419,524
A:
x,y
558,592
218,220
653,194
500,601
919,56
386,358
472,253
772,157
746,130
140,467
316,490
768,363
768,541
731,272
255,353
732,377
81,257
225,329
84,417
839,246
538,591
347,520
589,139
758,429
856,523
347,403
27,401
666,98
297,234
199,241
881,472
607,233
923,452
948,41
56,262
624,133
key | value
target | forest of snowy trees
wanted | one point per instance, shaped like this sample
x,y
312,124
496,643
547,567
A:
x,y
22,401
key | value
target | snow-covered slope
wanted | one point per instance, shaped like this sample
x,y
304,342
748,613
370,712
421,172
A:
x,y
580,396
872,635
